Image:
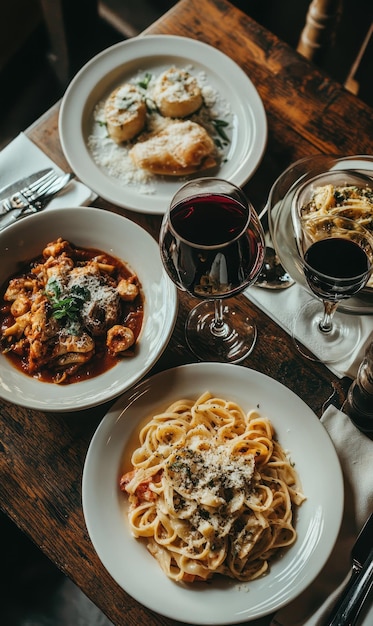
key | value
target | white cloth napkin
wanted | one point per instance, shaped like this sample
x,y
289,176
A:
x,y
355,452
283,305
21,157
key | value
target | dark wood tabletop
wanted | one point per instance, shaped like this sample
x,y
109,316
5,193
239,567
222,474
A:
x,y
42,454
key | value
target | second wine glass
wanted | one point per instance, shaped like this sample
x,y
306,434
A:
x,y
337,259
212,246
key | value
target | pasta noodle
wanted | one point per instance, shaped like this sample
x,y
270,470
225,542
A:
x,y
347,201
211,491
70,314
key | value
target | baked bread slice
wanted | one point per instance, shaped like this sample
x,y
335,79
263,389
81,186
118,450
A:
x,y
125,113
182,147
177,93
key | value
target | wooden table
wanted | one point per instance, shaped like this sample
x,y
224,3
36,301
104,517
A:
x,y
42,455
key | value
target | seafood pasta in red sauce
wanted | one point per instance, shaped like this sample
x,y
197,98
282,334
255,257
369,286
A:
x,y
70,314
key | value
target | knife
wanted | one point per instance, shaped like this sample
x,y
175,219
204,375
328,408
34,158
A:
x,y
349,604
361,559
18,185
8,218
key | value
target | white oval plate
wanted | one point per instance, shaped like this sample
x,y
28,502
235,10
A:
x,y
222,601
115,234
122,62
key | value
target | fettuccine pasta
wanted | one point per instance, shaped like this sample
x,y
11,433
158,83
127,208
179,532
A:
x,y
211,490
347,201
355,203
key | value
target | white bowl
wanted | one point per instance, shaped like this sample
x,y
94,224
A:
x,y
122,238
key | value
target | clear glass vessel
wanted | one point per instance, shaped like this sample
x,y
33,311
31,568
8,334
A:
x,y
212,246
335,254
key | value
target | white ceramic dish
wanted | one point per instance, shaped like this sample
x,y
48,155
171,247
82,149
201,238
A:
x,y
221,601
93,228
122,62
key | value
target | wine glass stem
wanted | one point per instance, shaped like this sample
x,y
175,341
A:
x,y
326,324
218,326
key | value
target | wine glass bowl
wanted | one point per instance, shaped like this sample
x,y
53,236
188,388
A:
x,y
335,252
280,216
212,246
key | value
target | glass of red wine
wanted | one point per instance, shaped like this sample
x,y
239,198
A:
x,y
336,255
212,246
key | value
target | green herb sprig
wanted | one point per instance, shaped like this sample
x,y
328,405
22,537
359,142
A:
x,y
66,306
219,126
144,82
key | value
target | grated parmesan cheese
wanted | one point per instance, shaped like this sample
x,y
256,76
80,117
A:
x,y
114,159
126,98
214,483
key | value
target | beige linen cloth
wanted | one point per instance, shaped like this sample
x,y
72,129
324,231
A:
x,y
355,452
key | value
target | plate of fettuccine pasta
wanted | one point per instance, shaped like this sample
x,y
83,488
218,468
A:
x,y
203,498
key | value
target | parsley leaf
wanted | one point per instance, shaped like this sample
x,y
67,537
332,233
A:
x,y
66,306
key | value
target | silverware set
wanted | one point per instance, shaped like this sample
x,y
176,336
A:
x,y
30,195
351,601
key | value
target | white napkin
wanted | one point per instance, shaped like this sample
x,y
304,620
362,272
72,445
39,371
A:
x,y
21,157
355,452
283,305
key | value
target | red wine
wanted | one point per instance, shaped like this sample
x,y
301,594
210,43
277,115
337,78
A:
x,y
209,220
212,249
336,267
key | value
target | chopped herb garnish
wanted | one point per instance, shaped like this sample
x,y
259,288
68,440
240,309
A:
x,y
127,102
150,105
218,143
219,126
204,514
66,306
144,82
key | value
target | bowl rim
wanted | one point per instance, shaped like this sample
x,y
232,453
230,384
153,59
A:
x,y
160,307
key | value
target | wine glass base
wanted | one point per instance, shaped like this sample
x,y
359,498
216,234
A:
x,y
325,347
230,343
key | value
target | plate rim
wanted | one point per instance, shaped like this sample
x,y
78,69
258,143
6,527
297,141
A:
x,y
81,86
117,413
59,399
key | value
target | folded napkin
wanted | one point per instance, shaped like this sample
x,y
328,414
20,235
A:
x,y
282,305
355,452
21,157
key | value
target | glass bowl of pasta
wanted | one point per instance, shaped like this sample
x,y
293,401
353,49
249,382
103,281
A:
x,y
83,313
203,499
330,200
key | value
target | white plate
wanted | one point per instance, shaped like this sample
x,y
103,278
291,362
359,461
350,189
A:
x,y
221,601
115,234
122,62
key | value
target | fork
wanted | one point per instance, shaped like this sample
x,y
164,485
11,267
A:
x,y
43,198
30,193
6,219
